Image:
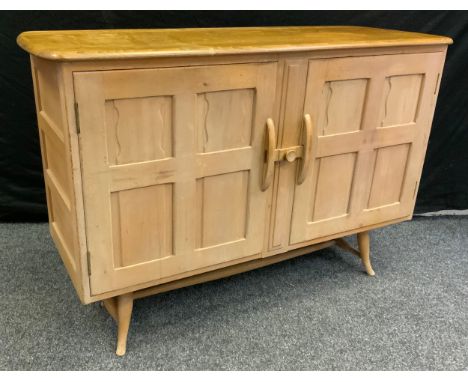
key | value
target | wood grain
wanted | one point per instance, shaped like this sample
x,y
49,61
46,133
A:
x,y
370,114
154,216
57,166
153,147
143,43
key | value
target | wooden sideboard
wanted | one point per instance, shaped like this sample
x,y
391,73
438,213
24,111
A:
x,y
173,157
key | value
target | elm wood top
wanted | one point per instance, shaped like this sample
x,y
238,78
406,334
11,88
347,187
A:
x,y
74,45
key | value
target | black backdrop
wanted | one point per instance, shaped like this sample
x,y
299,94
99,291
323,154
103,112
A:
x,y
444,182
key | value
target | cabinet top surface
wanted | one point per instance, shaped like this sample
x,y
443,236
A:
x,y
75,45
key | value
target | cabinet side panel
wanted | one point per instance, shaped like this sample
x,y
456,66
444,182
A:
x,y
56,161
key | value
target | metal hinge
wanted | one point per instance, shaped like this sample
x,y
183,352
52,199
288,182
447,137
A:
x,y
88,258
77,118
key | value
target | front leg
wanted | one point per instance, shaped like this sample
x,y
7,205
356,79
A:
x,y
364,251
124,315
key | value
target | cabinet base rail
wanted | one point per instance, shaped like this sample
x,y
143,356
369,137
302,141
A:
x,y
120,307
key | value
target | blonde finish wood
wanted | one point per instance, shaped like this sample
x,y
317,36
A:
x,y
290,124
120,307
267,254
307,136
364,169
185,185
111,306
124,313
364,251
56,162
343,244
231,270
153,138
143,43
155,167
270,253
270,147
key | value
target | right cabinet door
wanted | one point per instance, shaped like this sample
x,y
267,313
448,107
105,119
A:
x,y
371,120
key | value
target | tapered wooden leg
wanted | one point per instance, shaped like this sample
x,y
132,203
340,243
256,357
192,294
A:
x,y
364,251
111,307
124,315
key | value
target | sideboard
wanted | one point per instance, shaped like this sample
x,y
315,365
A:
x,y
178,156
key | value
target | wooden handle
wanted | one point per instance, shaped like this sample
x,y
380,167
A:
x,y
270,146
307,133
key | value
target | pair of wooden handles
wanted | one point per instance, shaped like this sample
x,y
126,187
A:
x,y
272,154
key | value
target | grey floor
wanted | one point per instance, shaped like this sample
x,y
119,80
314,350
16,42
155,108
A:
x,y
317,312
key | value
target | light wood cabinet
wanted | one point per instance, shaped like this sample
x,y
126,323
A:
x,y
173,157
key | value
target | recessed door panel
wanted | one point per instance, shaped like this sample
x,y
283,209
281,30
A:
x,y
335,173
341,106
172,162
222,208
388,175
142,224
224,119
139,129
401,99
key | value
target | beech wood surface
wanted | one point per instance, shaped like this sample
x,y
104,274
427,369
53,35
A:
x,y
142,43
174,157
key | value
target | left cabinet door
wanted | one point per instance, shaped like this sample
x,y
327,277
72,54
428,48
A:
x,y
172,165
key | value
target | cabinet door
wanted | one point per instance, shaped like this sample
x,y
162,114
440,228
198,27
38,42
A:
x,y
371,120
171,162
